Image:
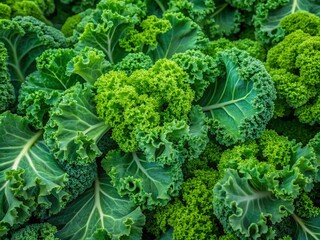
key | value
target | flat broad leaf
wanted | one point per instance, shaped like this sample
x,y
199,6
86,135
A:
x,y
25,39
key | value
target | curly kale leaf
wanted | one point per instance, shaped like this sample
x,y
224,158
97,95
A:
x,y
74,129
245,204
30,177
292,64
89,63
239,103
36,231
104,28
44,87
146,183
142,101
183,35
100,213
25,39
270,14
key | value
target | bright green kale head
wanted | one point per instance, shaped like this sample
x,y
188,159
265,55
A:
x,y
293,65
38,9
144,100
254,48
190,216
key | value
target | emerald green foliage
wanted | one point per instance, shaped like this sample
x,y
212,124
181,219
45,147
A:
x,y
208,159
38,9
305,21
142,101
183,35
191,217
21,56
42,88
305,207
43,231
107,25
252,47
74,127
7,96
247,5
294,129
30,177
272,179
147,183
201,68
152,26
153,175
79,6
80,178
269,15
89,64
240,102
141,119
5,11
100,211
133,62
70,24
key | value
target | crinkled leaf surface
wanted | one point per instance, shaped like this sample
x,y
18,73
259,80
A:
x,y
74,128
6,89
147,183
25,39
29,176
227,19
248,207
90,64
184,35
100,211
105,26
43,88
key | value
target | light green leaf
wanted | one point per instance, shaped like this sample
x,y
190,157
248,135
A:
x,y
90,64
